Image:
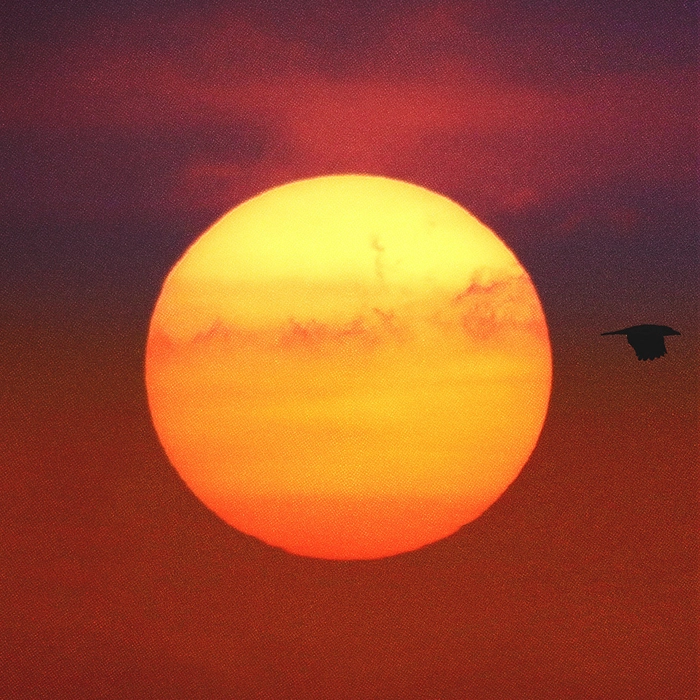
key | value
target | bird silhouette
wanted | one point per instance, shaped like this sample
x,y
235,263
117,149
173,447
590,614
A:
x,y
647,339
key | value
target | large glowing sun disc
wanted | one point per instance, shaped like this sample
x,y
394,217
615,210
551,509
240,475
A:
x,y
348,367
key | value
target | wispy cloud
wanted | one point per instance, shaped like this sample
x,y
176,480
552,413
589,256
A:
x,y
218,106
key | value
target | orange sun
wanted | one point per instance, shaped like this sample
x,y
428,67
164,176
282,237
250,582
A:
x,y
348,367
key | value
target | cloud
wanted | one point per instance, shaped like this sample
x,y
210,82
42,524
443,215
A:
x,y
500,147
432,96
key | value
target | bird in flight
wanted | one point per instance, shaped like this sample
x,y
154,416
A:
x,y
647,340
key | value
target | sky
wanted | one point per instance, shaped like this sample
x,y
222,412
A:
x,y
127,129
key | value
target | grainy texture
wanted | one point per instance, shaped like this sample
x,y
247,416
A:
x,y
128,128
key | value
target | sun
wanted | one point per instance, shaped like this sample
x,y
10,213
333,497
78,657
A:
x,y
348,367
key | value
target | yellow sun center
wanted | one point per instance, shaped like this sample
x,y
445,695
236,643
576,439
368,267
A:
x,y
348,367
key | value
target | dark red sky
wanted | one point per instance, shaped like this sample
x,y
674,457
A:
x,y
126,129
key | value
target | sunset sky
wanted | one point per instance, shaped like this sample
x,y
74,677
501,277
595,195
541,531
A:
x,y
127,129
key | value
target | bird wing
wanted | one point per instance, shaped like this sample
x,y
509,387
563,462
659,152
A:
x,y
648,346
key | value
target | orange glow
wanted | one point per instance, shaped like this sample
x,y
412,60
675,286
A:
x,y
348,367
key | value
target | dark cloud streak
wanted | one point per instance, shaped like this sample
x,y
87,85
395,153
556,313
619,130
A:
x,y
520,105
